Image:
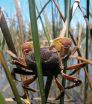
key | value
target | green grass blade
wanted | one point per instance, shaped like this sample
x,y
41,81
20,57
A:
x,y
53,21
2,100
8,75
36,48
86,54
6,33
45,33
67,15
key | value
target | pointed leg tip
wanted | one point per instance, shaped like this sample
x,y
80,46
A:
x,y
60,95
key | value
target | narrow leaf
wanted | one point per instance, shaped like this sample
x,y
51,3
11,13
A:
x,y
75,5
63,31
2,100
8,75
36,45
6,32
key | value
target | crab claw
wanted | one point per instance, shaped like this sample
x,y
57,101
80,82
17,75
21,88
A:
x,y
27,47
62,45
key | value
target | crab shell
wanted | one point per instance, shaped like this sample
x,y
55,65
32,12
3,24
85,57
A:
x,y
62,44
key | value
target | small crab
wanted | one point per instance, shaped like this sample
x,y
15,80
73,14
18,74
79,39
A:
x,y
52,59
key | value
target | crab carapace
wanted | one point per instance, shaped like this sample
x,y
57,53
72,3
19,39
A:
x,y
52,59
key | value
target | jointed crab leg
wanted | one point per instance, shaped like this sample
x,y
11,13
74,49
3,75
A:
x,y
61,88
17,60
29,81
19,70
76,67
19,63
58,84
76,81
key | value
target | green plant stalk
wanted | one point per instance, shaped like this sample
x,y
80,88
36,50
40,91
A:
x,y
43,8
2,100
46,22
8,75
67,15
3,43
86,54
53,21
6,33
47,37
36,48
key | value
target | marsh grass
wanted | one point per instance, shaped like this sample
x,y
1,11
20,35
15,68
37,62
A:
x,y
50,31
36,44
8,75
2,100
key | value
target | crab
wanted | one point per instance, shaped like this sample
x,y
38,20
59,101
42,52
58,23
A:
x,y
52,59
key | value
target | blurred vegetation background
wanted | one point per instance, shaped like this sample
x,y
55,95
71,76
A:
x,y
17,29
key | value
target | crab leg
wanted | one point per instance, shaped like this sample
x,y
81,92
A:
x,y
29,81
19,70
17,60
61,88
19,63
76,67
76,81
58,84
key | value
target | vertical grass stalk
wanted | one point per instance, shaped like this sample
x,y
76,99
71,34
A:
x,y
2,100
67,15
36,48
8,75
53,21
45,33
6,33
86,53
